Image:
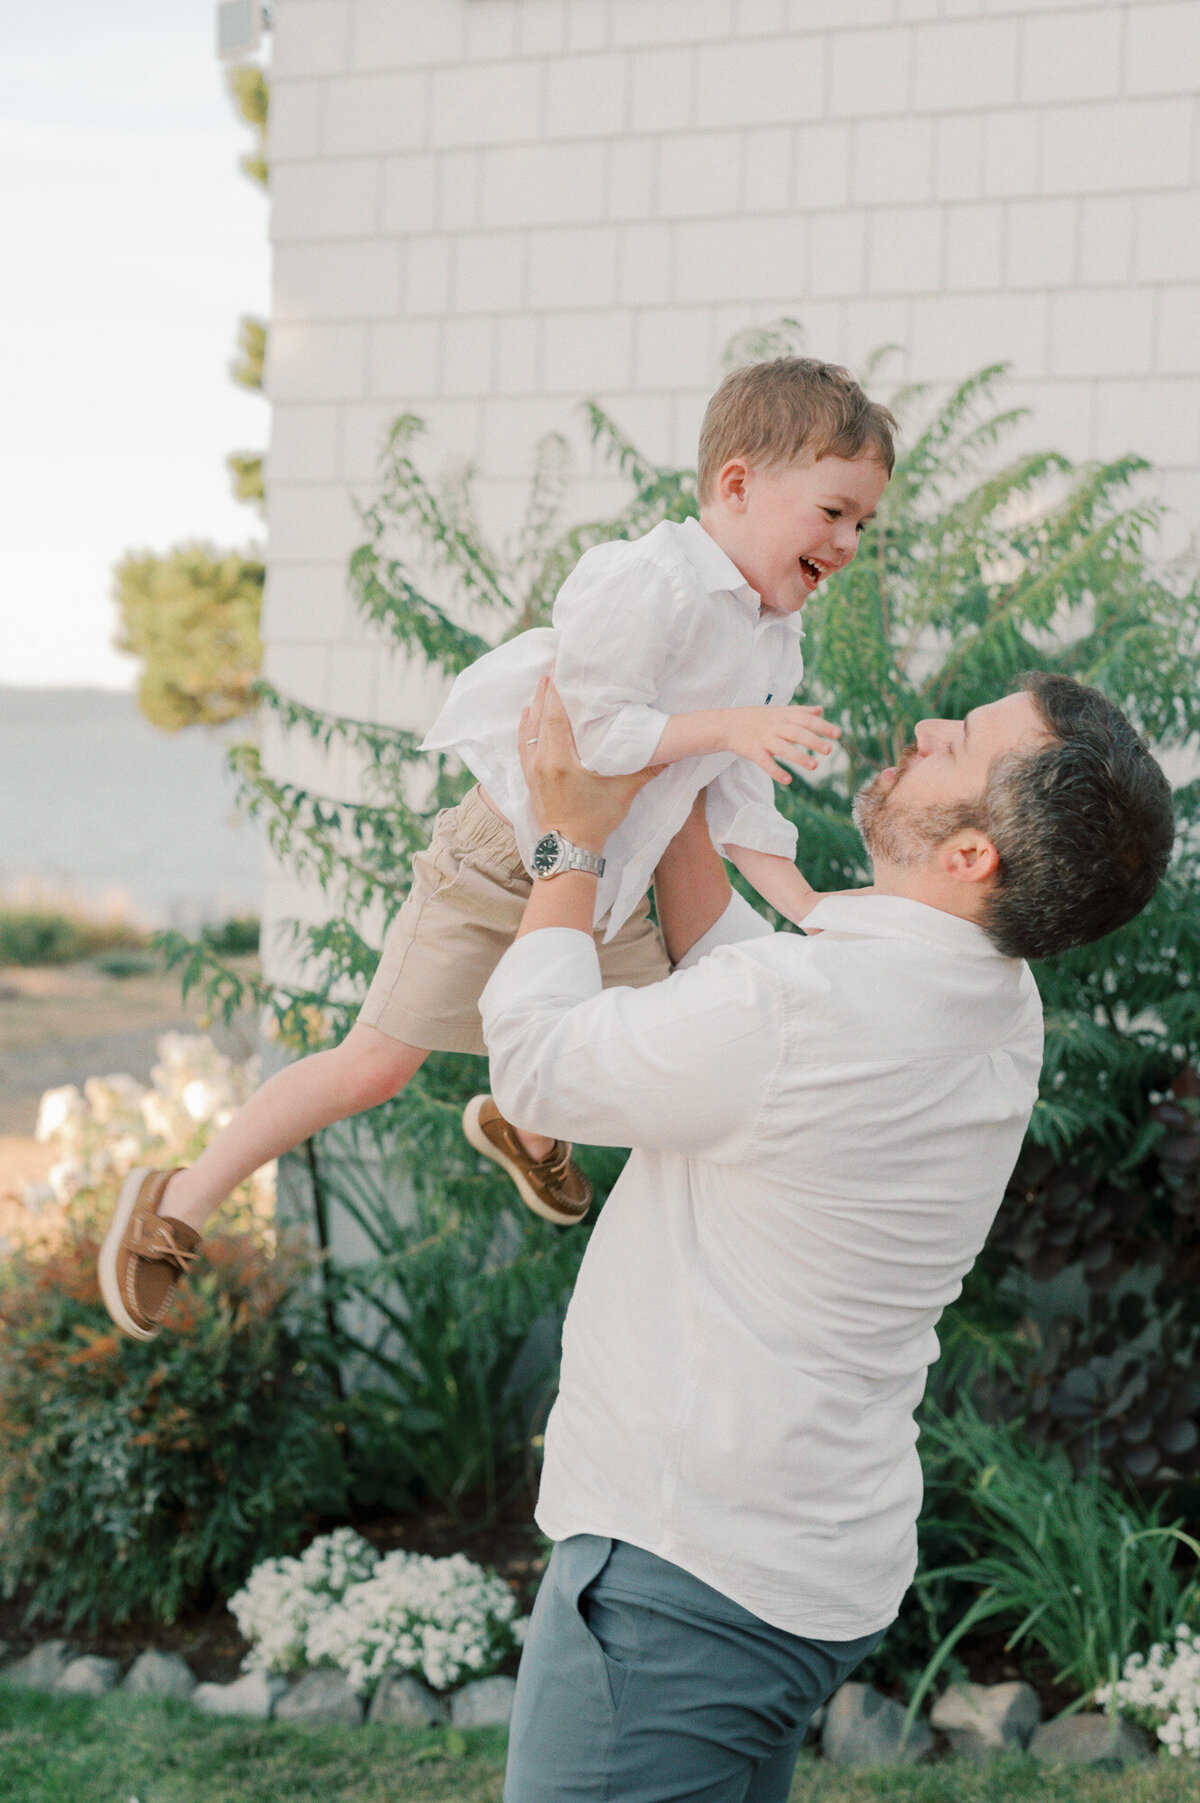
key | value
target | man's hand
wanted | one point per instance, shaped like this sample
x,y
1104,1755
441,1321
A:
x,y
573,801
765,734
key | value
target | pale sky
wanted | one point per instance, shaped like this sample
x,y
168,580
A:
x,y
132,244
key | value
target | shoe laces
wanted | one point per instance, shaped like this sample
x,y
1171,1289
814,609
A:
x,y
557,1164
161,1244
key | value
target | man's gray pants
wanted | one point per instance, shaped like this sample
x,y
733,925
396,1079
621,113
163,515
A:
x,y
640,1684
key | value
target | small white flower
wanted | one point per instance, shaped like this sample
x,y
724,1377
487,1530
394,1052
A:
x,y
199,1099
56,1108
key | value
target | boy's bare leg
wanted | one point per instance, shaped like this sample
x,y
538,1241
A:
x,y
154,1233
367,1068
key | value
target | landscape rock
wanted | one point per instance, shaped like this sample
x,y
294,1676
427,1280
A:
x,y
1106,1743
983,1720
488,1703
88,1676
155,1674
42,1668
404,1699
255,1695
861,1727
321,1698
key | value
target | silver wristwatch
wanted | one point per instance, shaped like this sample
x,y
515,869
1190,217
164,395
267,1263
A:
x,y
553,854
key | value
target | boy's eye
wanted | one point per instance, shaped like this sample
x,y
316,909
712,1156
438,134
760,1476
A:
x,y
833,513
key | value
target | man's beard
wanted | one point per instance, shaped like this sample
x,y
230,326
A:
x,y
907,836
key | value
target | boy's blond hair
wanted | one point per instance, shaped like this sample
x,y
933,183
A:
x,y
791,408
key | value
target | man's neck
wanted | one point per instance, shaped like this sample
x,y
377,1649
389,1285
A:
x,y
931,889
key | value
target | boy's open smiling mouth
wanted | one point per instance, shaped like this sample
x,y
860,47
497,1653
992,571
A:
x,y
813,571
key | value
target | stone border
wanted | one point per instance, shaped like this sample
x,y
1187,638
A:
x,y
858,1727
322,1697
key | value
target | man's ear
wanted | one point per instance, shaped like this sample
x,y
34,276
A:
x,y
969,857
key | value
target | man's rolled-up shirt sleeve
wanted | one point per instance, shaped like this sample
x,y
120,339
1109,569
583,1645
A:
x,y
741,811
678,1066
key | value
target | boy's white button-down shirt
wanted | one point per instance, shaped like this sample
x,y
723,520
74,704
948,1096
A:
x,y
823,1128
662,625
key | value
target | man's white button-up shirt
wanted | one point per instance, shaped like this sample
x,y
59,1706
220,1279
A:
x,y
822,1130
661,625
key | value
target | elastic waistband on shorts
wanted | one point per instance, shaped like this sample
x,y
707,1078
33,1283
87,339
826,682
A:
x,y
483,830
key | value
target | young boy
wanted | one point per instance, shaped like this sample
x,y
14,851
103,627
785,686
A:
x,y
679,650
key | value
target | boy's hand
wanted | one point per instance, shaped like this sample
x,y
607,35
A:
x,y
766,734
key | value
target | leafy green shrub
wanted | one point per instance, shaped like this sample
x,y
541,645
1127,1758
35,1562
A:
x,y
36,936
235,936
31,936
430,1329
1078,1573
137,1478
127,964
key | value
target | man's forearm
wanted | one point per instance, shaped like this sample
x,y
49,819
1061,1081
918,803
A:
x,y
691,887
568,900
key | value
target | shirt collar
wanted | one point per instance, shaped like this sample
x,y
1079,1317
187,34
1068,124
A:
x,y
898,917
721,576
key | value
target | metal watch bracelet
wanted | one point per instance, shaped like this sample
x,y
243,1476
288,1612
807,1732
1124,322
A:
x,y
553,855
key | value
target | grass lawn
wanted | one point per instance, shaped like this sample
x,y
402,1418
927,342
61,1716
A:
x,y
67,1750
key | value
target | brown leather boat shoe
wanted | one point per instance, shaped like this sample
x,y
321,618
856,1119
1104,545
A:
x,y
143,1256
552,1187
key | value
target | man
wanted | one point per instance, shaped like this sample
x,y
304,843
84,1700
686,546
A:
x,y
822,1129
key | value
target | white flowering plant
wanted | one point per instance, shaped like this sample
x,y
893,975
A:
x,y
340,1603
1161,1690
100,1132
282,1597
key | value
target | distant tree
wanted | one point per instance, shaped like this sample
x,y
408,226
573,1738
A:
x,y
192,617
251,96
191,613
248,88
247,367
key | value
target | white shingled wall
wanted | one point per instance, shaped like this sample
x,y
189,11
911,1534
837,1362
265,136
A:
x,y
485,210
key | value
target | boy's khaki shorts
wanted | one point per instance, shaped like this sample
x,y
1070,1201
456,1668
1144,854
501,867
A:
x,y
469,889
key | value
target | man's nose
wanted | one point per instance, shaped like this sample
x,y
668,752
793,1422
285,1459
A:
x,y
931,735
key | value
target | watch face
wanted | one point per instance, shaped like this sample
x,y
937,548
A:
x,y
545,854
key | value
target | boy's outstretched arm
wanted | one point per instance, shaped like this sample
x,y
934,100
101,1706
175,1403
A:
x,y
779,882
762,734
776,879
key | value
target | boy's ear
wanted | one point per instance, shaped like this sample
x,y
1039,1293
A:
x,y
733,480
969,856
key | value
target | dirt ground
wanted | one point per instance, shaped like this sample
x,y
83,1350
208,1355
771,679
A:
x,y
65,1023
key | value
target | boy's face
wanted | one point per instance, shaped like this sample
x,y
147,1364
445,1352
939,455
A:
x,y
789,527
